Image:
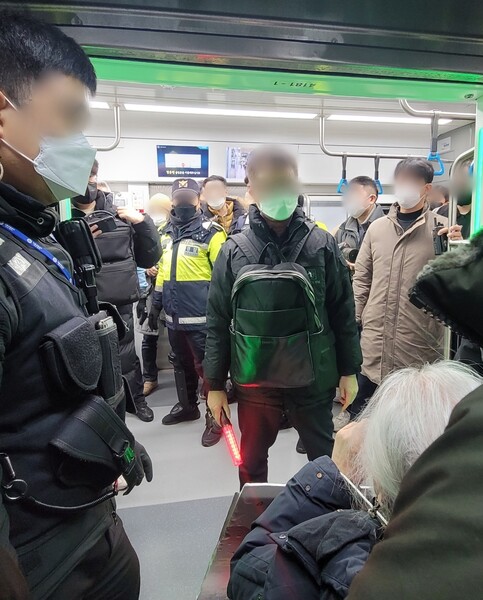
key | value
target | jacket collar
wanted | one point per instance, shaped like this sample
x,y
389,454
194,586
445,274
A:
x,y
26,214
392,216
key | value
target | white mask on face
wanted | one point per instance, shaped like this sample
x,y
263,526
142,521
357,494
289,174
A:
x,y
355,205
407,195
216,204
63,163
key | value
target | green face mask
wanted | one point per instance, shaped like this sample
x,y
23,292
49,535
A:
x,y
279,207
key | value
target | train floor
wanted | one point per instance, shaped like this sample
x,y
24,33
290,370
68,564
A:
x,y
174,521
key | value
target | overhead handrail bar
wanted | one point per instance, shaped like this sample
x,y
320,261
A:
x,y
117,131
328,152
325,150
442,114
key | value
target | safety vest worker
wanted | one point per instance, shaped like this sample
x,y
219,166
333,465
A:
x,y
191,242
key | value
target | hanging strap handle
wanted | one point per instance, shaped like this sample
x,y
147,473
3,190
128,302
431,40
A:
x,y
433,155
343,180
377,181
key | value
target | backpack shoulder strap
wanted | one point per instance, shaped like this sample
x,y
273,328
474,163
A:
x,y
251,248
298,248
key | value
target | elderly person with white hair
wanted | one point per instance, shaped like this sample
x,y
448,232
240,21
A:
x,y
317,534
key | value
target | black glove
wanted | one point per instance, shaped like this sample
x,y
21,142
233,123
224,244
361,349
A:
x,y
141,311
142,467
154,317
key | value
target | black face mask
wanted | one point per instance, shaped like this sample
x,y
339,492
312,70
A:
x,y
91,192
185,212
464,198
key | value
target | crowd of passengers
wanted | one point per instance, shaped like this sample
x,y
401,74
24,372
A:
x,y
263,307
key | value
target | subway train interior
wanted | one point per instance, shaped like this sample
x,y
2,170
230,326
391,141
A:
x,y
190,90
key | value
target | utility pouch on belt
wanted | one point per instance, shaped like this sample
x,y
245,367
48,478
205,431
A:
x,y
95,447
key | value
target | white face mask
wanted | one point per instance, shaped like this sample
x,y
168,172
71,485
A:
x,y
407,195
216,204
159,219
63,163
355,205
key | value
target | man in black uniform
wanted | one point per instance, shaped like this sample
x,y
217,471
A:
x,y
57,436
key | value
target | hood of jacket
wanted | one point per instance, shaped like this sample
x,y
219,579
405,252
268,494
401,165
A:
x,y
26,214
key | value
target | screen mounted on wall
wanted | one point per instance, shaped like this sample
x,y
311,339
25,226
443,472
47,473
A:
x,y
182,161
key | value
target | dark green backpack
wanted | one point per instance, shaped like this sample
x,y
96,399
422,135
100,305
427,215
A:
x,y
275,323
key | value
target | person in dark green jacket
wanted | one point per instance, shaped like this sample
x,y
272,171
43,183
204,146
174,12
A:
x,y
277,223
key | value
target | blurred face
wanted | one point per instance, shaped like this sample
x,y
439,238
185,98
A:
x,y
436,198
57,106
358,199
275,192
462,183
214,194
410,190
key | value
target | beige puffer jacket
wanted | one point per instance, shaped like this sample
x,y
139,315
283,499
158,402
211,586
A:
x,y
395,333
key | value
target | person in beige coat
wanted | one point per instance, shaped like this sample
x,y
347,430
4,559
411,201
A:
x,y
395,334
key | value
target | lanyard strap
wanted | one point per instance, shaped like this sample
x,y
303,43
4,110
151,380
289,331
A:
x,y
33,244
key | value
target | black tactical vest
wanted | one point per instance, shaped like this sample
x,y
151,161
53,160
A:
x,y
32,410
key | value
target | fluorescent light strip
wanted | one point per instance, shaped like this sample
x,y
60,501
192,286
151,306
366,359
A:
x,y
381,119
98,104
218,112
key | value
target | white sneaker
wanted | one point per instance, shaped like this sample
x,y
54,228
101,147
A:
x,y
341,420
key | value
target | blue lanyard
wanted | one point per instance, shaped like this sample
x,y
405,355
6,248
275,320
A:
x,y
33,244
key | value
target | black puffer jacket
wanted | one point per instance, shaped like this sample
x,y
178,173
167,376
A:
x,y
144,250
308,544
335,303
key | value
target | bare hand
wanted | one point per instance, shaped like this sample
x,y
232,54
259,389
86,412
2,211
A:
x,y
454,232
96,232
217,401
152,271
129,214
352,266
348,388
346,446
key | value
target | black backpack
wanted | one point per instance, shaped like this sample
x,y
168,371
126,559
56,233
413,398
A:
x,y
117,282
276,329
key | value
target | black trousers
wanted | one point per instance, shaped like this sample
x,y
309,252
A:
x,y
110,571
131,366
366,391
189,350
259,419
149,349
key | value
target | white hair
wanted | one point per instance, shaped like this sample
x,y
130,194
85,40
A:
x,y
408,412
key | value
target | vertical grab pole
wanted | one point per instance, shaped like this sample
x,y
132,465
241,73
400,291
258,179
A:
x,y
477,203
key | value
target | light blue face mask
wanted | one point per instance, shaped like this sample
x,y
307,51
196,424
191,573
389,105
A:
x,y
279,207
63,163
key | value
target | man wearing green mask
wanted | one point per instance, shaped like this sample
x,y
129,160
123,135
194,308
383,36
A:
x,y
281,320
462,188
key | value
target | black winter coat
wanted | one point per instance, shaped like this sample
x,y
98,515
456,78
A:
x,y
308,544
334,299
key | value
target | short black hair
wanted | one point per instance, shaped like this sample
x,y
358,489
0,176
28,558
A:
x,y
30,49
443,190
273,157
214,178
366,182
419,167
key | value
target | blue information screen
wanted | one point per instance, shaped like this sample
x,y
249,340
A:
x,y
182,161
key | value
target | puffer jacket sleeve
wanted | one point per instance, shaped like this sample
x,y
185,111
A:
x,y
362,281
340,309
147,244
218,318
315,490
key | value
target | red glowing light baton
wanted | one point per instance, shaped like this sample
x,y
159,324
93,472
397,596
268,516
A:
x,y
231,441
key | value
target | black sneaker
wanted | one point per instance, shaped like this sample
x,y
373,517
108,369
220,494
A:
x,y
143,411
212,432
180,414
300,448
